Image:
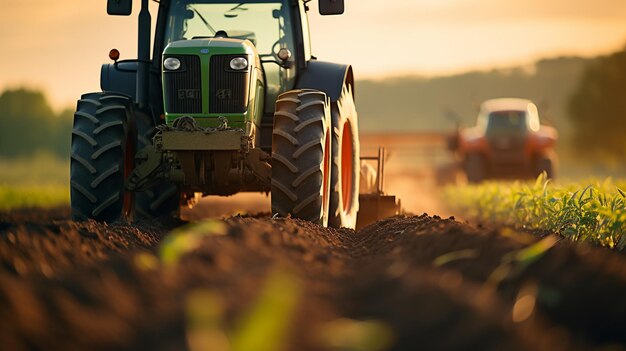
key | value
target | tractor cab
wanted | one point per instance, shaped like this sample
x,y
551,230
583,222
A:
x,y
268,38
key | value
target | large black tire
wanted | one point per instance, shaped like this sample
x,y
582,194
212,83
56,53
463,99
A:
x,y
546,163
345,171
163,199
475,168
102,157
301,156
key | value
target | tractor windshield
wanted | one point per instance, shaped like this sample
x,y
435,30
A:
x,y
507,122
265,23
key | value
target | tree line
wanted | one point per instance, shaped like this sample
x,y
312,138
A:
x,y
597,109
29,125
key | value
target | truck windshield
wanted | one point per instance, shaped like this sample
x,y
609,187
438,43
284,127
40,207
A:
x,y
265,23
507,122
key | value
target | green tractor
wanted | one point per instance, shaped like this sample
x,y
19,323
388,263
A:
x,y
231,101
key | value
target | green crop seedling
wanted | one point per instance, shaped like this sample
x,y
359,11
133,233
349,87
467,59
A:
x,y
593,211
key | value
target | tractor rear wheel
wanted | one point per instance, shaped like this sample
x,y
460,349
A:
x,y
163,199
345,167
301,156
102,158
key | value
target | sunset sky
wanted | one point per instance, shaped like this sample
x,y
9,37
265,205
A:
x,y
59,45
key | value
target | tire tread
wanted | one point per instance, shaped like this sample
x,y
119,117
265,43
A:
x,y
297,167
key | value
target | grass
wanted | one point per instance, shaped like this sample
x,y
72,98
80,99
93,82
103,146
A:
x,y
593,211
41,196
38,181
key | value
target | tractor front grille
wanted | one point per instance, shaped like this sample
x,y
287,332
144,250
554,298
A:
x,y
228,89
183,88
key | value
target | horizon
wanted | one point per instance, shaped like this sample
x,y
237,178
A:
x,y
59,106
440,38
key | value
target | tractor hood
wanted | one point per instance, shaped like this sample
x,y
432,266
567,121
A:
x,y
211,46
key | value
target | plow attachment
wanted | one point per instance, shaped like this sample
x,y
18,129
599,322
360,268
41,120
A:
x,y
374,204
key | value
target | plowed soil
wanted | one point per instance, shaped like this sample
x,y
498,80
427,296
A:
x,y
428,283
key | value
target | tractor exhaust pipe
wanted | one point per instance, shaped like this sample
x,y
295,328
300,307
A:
x,y
143,55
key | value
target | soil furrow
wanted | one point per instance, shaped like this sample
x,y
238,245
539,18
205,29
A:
x,y
425,282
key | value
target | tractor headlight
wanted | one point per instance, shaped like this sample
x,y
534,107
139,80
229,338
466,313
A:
x,y
239,63
171,64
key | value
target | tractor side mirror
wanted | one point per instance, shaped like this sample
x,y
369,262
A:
x,y
119,7
331,7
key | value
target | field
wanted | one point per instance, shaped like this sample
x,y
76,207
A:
x,y
38,181
231,277
404,283
252,282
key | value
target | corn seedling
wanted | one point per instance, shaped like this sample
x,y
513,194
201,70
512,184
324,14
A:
x,y
593,211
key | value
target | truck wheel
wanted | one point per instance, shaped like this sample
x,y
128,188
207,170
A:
x,y
163,199
102,158
345,166
475,168
301,156
545,163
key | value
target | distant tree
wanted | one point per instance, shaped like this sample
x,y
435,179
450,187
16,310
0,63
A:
x,y
63,132
597,109
28,124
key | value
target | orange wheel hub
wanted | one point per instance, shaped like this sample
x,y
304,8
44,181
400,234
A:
x,y
347,167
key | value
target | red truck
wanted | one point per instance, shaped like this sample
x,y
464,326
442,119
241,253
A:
x,y
508,141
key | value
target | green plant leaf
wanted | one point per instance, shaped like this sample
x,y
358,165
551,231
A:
x,y
455,256
188,238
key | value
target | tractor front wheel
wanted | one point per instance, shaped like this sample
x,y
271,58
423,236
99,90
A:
x,y
102,158
475,168
162,200
301,156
